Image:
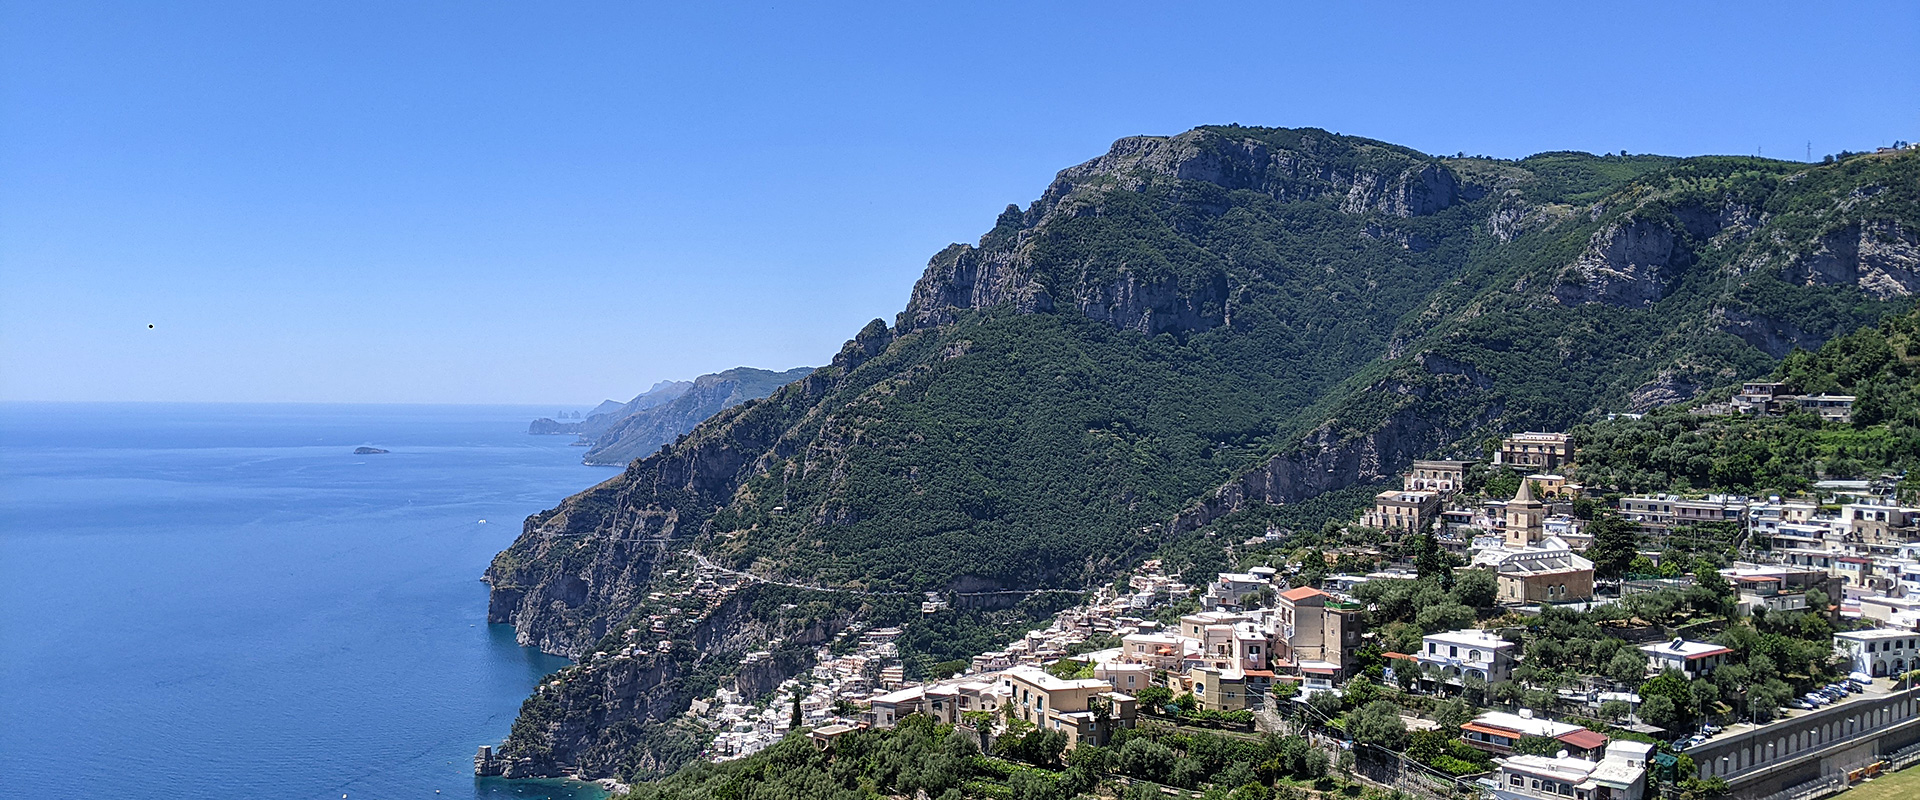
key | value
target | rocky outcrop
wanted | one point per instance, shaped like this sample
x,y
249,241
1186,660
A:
x,y
552,427
1001,270
1774,336
1882,258
1412,192
591,719
1627,263
962,278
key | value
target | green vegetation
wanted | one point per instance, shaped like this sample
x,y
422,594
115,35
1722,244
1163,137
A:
x,y
1673,449
946,762
1162,337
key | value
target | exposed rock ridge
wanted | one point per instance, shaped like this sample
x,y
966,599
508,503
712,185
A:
x,y
1000,269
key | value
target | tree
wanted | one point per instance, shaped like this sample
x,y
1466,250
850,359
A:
x,y
1537,746
1360,691
1660,711
1431,561
1476,588
1615,544
1628,666
1444,617
1146,759
1378,723
1325,705
1615,710
1154,698
798,719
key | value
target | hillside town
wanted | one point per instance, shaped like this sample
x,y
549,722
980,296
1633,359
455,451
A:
x,y
1288,645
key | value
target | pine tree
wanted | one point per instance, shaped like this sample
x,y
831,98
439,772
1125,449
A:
x,y
795,723
1615,543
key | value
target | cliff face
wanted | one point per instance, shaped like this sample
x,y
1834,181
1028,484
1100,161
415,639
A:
x,y
1177,329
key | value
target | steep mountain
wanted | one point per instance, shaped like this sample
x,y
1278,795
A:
x,y
1182,328
610,413
643,430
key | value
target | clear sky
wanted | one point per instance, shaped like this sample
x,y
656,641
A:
x,y
483,201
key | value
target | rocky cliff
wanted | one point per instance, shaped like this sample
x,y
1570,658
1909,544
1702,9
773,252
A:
x,y
1179,328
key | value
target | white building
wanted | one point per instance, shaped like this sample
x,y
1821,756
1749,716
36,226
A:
x,y
1880,652
1695,659
1620,775
1458,654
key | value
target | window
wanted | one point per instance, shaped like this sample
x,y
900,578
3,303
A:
x,y
1515,780
1473,655
1453,652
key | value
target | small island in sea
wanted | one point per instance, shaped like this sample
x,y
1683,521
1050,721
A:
x,y
368,451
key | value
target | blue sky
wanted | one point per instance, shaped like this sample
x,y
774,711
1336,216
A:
x,y
562,202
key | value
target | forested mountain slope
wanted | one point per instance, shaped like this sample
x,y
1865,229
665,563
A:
x,y
1177,329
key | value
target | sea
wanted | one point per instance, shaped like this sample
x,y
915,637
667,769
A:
x,y
224,601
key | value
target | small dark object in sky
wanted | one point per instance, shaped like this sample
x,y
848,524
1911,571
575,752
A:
x,y
149,326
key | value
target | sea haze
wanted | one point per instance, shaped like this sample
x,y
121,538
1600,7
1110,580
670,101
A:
x,y
223,601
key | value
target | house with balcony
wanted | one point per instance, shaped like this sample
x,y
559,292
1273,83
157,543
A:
x,y
1086,710
1619,774
1453,656
1880,652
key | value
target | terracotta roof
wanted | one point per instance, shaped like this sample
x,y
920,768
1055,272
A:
x,y
1319,670
1402,656
1489,729
1303,593
1585,739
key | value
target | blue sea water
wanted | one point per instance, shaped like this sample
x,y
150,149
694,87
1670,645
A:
x,y
223,601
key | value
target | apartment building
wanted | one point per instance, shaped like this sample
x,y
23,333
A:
x,y
1086,710
1542,452
1497,732
1437,476
1402,509
1311,626
1657,515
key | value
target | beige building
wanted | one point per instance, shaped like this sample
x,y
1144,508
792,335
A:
x,y
1402,510
1544,452
1526,518
1310,626
1222,689
1547,573
1085,710
1437,476
1657,515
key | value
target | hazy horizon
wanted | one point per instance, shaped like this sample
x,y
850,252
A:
x,y
501,205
